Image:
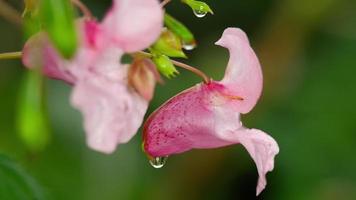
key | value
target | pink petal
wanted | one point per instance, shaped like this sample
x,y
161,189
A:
x,y
261,147
182,123
191,119
243,75
201,117
134,24
38,52
112,111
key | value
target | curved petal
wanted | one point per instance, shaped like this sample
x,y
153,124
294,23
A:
x,y
134,24
243,75
261,147
182,123
191,119
38,52
202,117
112,112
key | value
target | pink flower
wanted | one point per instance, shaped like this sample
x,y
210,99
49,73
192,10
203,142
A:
x,y
208,115
112,110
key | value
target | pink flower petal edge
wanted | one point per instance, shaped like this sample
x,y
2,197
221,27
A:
x,y
261,147
243,75
134,24
112,111
208,115
39,52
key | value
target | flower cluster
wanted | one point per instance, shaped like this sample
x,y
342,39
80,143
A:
x,y
112,109
113,97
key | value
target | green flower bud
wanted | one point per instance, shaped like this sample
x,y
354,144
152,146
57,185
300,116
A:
x,y
32,119
165,65
169,44
188,40
199,8
57,17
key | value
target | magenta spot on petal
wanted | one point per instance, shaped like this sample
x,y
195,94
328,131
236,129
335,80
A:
x,y
91,31
185,118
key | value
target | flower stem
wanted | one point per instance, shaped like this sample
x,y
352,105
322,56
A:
x,y
192,69
164,3
10,14
83,8
196,71
10,55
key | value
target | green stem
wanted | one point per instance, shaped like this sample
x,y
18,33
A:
x,y
10,55
196,71
164,3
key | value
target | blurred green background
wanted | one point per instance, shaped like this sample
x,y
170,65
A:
x,y
308,52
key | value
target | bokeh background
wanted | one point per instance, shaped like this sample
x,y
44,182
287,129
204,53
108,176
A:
x,y
308,52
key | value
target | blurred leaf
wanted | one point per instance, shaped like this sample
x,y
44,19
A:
x,y
15,184
169,44
199,8
57,17
165,65
32,23
180,30
32,119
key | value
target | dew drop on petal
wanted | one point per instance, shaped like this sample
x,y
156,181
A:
x,y
200,12
189,46
158,162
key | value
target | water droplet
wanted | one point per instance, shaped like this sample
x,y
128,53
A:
x,y
189,46
200,12
158,162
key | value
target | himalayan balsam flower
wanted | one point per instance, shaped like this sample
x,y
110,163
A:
x,y
208,115
112,109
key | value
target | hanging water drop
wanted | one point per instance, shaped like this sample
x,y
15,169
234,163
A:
x,y
189,46
158,162
200,12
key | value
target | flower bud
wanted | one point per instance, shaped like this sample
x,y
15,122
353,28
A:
x,y
165,65
199,8
188,40
169,44
143,76
32,120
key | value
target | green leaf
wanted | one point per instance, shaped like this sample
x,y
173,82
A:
x,y
169,44
181,31
32,119
165,65
199,8
15,184
57,17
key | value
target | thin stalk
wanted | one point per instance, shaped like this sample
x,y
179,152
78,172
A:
x,y
192,69
10,13
83,8
10,55
196,71
164,3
